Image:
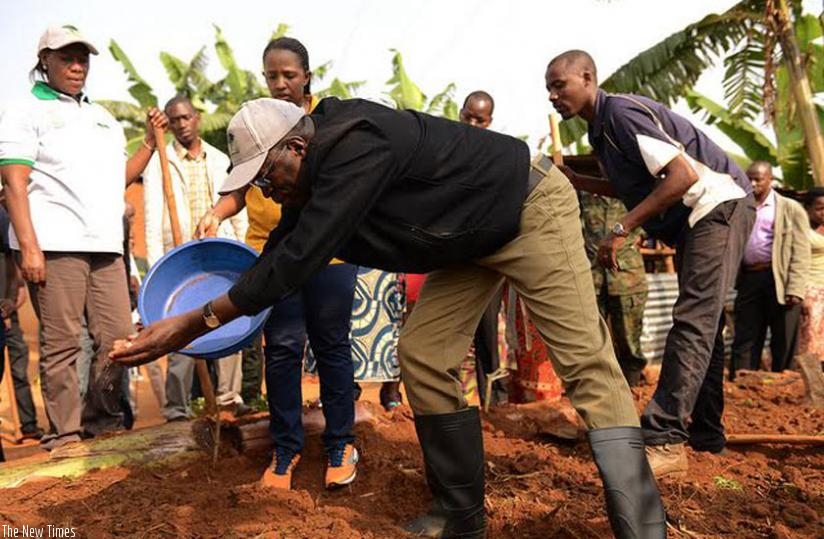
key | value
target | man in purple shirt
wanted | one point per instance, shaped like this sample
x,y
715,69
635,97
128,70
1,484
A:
x,y
773,277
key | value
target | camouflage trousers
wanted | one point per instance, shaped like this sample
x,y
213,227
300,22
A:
x,y
625,315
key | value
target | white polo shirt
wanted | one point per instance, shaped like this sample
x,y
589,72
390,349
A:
x,y
78,159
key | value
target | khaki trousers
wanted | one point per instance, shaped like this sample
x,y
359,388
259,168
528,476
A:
x,y
547,266
94,283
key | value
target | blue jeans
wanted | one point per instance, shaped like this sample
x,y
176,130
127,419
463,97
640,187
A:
x,y
321,310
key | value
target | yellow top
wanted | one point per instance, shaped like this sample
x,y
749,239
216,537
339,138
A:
x,y
264,216
264,213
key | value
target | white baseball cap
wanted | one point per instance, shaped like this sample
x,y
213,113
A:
x,y
57,37
257,127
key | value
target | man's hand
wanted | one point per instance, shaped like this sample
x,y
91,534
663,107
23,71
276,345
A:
x,y
154,118
164,336
208,225
6,307
608,251
792,301
33,265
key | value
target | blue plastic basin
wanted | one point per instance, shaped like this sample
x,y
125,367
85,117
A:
x,y
187,277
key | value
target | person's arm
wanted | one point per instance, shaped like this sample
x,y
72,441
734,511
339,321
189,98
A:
x,y
240,225
19,147
590,184
346,185
138,161
350,179
227,206
15,180
800,255
678,177
638,134
170,334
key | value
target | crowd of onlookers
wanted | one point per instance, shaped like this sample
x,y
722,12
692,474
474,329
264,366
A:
x,y
68,240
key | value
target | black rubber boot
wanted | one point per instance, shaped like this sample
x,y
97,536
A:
x,y
633,503
453,454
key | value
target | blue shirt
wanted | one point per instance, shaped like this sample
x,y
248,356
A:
x,y
636,137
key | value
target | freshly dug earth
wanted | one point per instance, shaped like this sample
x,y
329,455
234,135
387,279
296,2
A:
x,y
536,486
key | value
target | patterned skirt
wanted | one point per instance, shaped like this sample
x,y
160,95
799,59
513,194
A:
x,y
811,331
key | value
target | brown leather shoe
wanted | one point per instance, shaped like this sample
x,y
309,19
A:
x,y
668,460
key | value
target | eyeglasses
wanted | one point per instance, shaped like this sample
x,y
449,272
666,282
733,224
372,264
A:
x,y
261,181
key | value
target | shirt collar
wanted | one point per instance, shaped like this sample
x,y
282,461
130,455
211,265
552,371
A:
x,y
770,200
596,128
183,154
44,92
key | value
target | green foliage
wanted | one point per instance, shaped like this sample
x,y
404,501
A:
x,y
722,482
443,104
280,31
756,146
140,89
403,91
407,95
218,101
742,36
790,152
341,89
744,77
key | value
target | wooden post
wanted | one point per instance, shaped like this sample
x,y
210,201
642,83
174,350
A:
x,y
795,439
168,191
555,133
169,194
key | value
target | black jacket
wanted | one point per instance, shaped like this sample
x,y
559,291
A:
x,y
394,190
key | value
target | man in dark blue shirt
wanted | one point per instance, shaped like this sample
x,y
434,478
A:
x,y
683,189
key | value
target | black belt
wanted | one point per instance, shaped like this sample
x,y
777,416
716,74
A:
x,y
758,266
538,170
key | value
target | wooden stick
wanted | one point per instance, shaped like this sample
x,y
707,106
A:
x,y
795,439
555,133
206,386
169,194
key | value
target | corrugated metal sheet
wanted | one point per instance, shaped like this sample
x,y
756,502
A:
x,y
663,290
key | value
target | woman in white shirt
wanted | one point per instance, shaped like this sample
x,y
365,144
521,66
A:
x,y
64,170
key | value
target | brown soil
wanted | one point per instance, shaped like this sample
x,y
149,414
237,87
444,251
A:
x,y
536,486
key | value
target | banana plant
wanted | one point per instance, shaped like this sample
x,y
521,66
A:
x,y
405,94
760,41
790,152
218,100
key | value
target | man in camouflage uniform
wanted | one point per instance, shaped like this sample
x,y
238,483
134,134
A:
x,y
622,293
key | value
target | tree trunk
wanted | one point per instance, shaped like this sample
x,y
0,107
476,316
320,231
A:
x,y
801,90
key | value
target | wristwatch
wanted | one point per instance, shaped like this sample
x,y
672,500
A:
x,y
209,317
619,230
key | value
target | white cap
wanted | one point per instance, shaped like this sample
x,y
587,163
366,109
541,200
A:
x,y
57,37
254,130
